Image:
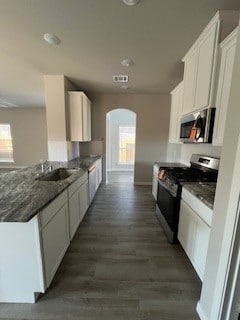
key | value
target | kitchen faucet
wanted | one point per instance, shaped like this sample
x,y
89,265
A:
x,y
45,168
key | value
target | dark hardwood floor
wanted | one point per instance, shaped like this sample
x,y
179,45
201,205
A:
x,y
119,265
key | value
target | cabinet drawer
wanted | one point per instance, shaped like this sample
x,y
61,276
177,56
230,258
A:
x,y
47,214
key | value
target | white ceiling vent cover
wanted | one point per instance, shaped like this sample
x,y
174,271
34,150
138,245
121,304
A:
x,y
120,78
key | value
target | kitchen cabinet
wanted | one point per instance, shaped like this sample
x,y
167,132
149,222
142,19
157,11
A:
x,y
176,111
84,199
189,80
54,235
79,109
194,230
227,55
206,65
78,203
186,229
200,63
38,245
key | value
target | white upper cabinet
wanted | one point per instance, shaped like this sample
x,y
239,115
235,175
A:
x,y
176,111
227,55
190,66
200,63
79,108
206,67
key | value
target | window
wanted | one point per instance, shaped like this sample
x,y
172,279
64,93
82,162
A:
x,y
6,150
127,145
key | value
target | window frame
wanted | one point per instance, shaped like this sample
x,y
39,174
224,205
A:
x,y
119,145
10,160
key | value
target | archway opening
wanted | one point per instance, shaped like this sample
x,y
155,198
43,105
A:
x,y
120,145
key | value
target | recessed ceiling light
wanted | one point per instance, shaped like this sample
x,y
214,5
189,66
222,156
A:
x,y
131,2
127,62
51,38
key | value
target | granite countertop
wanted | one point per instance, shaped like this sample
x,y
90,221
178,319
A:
x,y
22,196
205,191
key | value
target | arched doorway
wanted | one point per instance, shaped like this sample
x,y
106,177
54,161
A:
x,y
120,144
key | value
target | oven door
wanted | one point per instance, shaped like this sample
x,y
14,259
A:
x,y
168,210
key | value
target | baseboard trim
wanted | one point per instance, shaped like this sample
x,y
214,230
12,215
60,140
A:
x,y
140,183
200,312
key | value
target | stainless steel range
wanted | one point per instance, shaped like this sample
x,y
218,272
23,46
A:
x,y
202,169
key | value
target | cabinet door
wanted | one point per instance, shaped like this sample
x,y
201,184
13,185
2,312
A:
x,y
176,111
187,229
205,68
189,81
84,199
55,241
75,107
224,84
89,128
201,246
74,213
86,118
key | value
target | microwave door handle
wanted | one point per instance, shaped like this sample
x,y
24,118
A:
x,y
199,127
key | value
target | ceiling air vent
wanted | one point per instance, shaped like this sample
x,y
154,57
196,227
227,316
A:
x,y
120,78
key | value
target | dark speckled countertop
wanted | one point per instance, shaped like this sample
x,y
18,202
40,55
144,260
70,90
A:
x,y
205,191
169,164
22,196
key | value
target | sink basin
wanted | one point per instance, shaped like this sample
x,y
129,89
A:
x,y
57,174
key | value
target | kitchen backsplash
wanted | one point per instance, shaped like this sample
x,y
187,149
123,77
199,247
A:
x,y
183,152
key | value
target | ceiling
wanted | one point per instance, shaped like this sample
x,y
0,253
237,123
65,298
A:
x,y
96,35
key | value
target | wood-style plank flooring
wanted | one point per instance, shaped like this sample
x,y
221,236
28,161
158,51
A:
x,y
119,265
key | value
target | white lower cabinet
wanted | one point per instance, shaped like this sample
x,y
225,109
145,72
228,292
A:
x,y
74,213
84,199
193,234
78,202
186,228
202,235
55,241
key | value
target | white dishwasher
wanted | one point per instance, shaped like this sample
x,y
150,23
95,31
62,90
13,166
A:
x,y
92,182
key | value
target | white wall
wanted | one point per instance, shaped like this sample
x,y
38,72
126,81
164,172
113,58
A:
x,y
153,112
226,201
118,117
29,134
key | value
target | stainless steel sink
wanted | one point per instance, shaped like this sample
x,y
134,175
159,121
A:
x,y
57,174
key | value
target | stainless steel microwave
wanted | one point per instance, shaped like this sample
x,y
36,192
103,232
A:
x,y
197,126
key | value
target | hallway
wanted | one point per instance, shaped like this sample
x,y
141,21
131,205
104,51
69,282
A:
x,y
119,265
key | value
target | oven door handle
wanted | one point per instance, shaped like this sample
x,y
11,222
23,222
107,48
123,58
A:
x,y
165,186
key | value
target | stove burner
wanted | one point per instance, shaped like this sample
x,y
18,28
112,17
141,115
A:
x,y
178,175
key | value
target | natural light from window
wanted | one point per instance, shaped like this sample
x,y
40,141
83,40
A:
x,y
6,149
127,145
